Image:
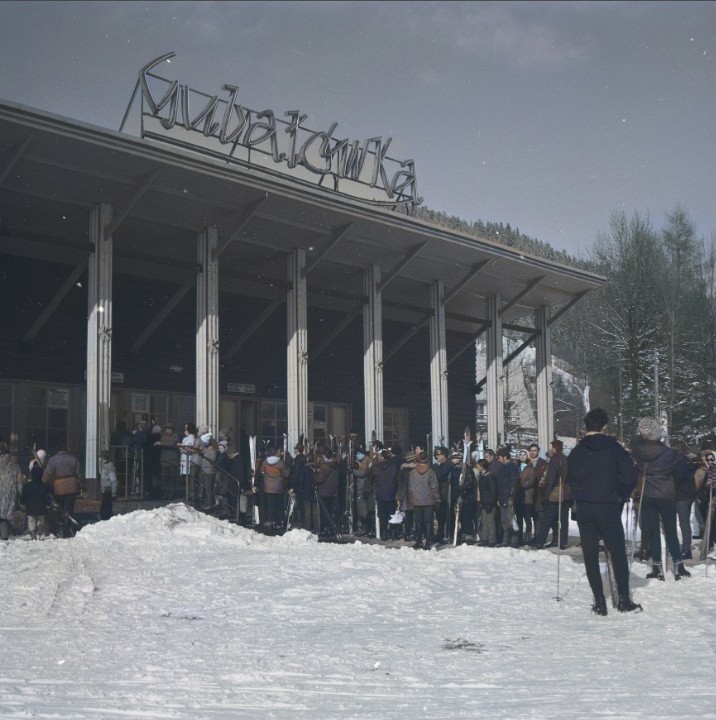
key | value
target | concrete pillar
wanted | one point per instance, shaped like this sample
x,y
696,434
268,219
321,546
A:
x,y
543,362
207,331
373,354
99,340
438,366
297,348
495,375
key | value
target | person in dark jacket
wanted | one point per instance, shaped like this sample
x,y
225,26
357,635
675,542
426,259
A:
x,y
326,484
557,498
658,464
301,485
35,496
448,492
602,476
507,484
487,492
383,481
685,494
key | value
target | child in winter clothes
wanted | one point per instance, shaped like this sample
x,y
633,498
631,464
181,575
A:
x,y
108,485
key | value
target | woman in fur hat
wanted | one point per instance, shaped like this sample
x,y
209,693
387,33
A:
x,y
657,464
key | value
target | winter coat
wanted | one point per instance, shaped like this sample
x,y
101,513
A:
x,y
108,477
10,485
507,483
187,457
35,497
684,483
301,481
208,458
383,479
556,468
600,470
467,489
275,475
63,467
530,477
423,486
659,463
401,494
487,485
168,451
326,479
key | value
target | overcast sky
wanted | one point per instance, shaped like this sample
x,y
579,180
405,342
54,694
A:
x,y
548,116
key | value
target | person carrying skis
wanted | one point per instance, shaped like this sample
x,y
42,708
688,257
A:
x,y
602,476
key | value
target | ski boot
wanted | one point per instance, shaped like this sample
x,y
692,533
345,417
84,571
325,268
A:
x,y
626,604
681,572
686,552
600,605
656,572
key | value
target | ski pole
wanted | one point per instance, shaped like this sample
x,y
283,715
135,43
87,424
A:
x,y
558,598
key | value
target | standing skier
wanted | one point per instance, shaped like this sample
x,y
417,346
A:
x,y
602,476
423,495
658,498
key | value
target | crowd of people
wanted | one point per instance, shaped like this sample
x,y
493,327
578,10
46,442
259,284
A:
x,y
425,496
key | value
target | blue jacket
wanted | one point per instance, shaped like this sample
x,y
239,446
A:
x,y
507,482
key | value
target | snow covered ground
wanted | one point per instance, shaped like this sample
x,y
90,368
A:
x,y
172,614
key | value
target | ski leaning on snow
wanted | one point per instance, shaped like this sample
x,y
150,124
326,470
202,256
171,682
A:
x,y
466,442
289,512
610,578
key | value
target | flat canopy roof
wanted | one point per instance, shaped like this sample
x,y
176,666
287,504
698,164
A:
x,y
53,169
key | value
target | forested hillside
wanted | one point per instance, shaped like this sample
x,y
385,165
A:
x,y
646,343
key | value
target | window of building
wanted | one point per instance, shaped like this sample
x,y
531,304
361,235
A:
x,y
395,427
47,415
317,422
186,413
274,422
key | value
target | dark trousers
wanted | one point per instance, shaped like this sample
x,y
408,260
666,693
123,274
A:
x,y
385,509
446,517
66,502
683,512
653,510
328,506
603,521
424,518
274,507
550,515
105,510
467,517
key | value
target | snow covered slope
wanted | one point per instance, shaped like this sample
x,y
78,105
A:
x,y
171,614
